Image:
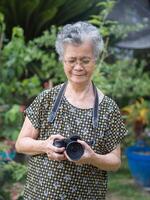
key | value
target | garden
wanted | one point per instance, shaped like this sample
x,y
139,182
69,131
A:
x,y
29,65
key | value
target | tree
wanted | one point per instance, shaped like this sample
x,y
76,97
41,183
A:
x,y
37,15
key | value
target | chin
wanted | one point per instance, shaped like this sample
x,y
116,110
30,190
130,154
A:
x,y
79,79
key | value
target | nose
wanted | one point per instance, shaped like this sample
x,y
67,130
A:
x,y
78,66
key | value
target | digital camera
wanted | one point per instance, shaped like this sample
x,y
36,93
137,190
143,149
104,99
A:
x,y
73,148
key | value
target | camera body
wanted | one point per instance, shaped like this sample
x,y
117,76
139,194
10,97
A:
x,y
73,148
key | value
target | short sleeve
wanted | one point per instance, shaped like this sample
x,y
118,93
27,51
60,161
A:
x,y
116,130
33,112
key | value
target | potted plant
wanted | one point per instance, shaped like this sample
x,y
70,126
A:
x,y
137,117
7,149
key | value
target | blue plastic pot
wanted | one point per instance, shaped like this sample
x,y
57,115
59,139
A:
x,y
7,155
139,164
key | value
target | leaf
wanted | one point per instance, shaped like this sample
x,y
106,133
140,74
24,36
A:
x,y
46,16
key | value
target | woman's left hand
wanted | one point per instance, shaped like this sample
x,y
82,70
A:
x,y
87,156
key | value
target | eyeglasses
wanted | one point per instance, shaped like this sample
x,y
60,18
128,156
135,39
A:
x,y
83,62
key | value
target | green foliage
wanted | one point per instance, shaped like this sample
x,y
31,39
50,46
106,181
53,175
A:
x,y
12,115
27,66
46,57
105,8
13,67
10,173
123,80
137,118
100,20
4,147
15,171
2,24
2,29
11,121
4,195
37,15
112,30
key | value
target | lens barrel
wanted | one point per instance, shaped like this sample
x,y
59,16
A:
x,y
74,150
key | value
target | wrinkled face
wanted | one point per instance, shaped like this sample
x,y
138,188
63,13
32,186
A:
x,y
79,62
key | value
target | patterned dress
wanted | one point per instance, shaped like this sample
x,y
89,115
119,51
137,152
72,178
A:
x,y
63,180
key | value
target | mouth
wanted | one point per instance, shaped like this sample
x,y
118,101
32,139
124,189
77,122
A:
x,y
78,74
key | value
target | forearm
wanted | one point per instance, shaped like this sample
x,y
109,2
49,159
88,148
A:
x,y
107,162
30,146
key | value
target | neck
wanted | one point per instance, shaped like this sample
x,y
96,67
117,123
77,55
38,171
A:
x,y
80,95
79,92
79,88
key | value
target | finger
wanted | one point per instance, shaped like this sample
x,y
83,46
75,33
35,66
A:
x,y
55,156
84,144
58,157
67,156
57,149
57,136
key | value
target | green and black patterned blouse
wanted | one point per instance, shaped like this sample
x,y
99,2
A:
x,y
63,180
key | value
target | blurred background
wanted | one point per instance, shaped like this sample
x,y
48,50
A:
x,y
29,64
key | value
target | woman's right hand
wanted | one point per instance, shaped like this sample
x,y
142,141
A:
x,y
54,153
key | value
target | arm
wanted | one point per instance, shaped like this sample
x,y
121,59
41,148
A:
x,y
107,162
27,143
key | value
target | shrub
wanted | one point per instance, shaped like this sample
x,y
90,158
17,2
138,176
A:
x,y
25,67
123,80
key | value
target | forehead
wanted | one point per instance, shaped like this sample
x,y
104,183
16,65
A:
x,y
78,50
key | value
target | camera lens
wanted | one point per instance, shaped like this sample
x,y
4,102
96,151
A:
x,y
59,143
74,150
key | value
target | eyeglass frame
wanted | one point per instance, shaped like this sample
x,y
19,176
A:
x,y
78,61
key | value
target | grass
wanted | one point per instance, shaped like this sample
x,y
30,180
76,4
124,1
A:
x,y
121,186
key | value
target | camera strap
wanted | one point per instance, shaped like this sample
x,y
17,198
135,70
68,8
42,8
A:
x,y
95,109
59,99
57,103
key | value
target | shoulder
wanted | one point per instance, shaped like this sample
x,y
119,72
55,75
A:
x,y
106,100
48,95
110,104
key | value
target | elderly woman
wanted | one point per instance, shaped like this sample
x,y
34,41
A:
x,y
76,107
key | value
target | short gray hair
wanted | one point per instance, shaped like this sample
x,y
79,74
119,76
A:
x,y
77,33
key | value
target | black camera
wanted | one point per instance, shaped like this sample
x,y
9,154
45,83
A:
x,y
73,148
